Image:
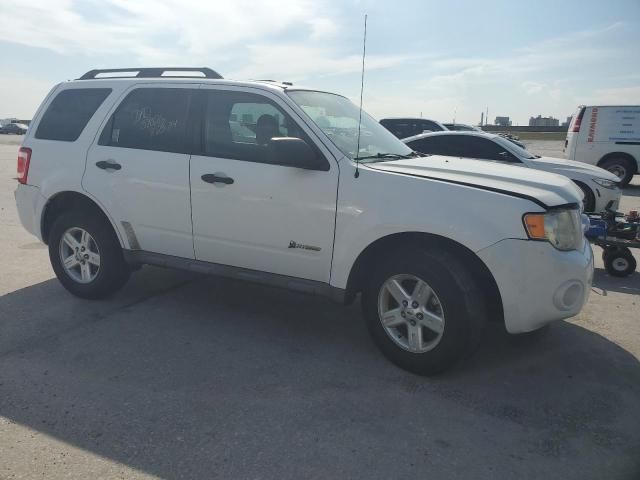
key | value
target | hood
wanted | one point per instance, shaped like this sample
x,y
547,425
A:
x,y
567,167
543,188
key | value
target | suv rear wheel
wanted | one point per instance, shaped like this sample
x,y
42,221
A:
x,y
86,255
424,310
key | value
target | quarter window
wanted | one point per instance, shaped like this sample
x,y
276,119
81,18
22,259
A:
x,y
69,112
150,119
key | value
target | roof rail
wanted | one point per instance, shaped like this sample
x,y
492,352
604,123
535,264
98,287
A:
x,y
276,81
154,72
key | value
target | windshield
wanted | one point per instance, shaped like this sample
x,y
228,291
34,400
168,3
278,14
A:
x,y
338,118
509,145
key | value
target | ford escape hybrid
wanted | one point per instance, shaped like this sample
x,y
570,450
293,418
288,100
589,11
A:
x,y
268,182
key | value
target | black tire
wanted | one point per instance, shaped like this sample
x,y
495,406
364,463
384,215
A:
x,y
589,201
458,293
621,167
113,271
620,263
606,251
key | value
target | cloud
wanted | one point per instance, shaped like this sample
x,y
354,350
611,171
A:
x,y
617,95
531,88
148,30
547,76
20,96
297,62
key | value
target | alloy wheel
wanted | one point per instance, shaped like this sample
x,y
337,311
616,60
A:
x,y
79,255
411,313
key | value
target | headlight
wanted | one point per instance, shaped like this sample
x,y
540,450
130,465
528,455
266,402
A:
x,y
603,182
561,228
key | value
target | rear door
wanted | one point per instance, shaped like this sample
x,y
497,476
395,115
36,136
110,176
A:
x,y
138,168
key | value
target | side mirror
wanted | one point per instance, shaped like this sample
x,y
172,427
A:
x,y
295,152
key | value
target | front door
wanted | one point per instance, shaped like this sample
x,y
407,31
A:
x,y
248,211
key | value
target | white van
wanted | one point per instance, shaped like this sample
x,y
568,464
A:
x,y
607,136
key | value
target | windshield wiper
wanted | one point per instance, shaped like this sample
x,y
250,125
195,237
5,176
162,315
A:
x,y
387,156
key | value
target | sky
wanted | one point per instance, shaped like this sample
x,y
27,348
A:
x,y
443,60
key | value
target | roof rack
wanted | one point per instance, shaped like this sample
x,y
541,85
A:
x,y
154,72
276,81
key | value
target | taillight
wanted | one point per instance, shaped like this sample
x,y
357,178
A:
x,y
24,157
577,121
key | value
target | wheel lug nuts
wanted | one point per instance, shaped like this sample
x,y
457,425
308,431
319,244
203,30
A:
x,y
413,323
419,316
82,249
402,314
414,304
405,303
86,256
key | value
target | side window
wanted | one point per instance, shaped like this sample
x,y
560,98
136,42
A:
x,y
486,149
240,125
424,145
439,145
399,128
69,113
453,145
429,126
150,119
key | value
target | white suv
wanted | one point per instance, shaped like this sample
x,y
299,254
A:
x,y
271,183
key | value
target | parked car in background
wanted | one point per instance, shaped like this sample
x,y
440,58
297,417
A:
x,y
606,136
461,127
407,127
13,129
600,187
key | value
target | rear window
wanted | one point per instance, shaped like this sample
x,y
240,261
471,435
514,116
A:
x,y
69,113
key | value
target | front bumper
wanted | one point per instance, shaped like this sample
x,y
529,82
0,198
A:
x,y
606,195
538,283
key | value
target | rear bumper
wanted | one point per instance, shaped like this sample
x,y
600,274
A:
x,y
28,203
538,283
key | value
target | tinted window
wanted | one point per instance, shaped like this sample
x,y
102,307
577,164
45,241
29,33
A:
x,y
439,145
427,125
400,128
69,112
484,148
150,119
240,125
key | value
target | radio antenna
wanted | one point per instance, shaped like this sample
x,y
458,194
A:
x,y
364,53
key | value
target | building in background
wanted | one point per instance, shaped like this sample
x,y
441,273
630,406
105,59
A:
x,y
503,121
540,121
567,121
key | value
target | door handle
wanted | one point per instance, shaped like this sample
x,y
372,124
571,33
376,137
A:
x,y
108,165
213,178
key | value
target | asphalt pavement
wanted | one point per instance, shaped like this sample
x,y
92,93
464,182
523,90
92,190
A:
x,y
187,376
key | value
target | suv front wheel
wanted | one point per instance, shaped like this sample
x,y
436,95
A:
x,y
424,310
86,255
